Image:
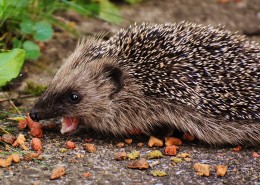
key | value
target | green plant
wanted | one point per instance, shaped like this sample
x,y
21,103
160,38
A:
x,y
10,65
133,1
34,89
25,23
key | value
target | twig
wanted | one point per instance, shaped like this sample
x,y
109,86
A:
x,y
20,97
11,102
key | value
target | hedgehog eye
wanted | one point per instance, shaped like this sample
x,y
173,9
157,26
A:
x,y
74,97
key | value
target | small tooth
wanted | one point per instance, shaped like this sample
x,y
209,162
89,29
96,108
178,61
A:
x,y
63,127
62,131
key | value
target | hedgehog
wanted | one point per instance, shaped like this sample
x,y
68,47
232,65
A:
x,y
197,79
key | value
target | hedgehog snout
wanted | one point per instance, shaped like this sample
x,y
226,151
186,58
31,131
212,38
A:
x,y
35,115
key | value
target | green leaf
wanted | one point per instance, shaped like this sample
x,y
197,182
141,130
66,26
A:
x,y
18,118
32,50
2,2
16,43
27,26
10,65
43,31
109,12
93,8
18,3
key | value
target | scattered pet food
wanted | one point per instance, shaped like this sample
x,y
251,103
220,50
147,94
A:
x,y
36,144
120,145
8,138
57,172
154,154
188,137
153,141
169,141
140,144
86,174
133,155
221,170
237,149
158,173
70,145
171,150
91,148
128,141
202,169
119,156
139,164
20,141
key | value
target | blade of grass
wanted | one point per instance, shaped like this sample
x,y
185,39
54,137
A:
x,y
12,103
88,11
5,131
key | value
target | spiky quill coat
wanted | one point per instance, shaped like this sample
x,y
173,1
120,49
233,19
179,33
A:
x,y
197,79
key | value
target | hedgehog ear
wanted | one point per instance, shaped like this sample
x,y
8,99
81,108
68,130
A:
x,y
116,76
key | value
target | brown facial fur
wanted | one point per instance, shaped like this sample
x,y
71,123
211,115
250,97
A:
x,y
118,96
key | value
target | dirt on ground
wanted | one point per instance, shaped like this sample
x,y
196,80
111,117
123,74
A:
x,y
237,15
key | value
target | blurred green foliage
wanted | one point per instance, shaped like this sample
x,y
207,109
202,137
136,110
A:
x,y
34,89
133,1
26,23
102,9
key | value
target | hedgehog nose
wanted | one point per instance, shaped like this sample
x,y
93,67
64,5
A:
x,y
34,114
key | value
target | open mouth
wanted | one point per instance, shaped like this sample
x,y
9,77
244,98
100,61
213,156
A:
x,y
69,124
